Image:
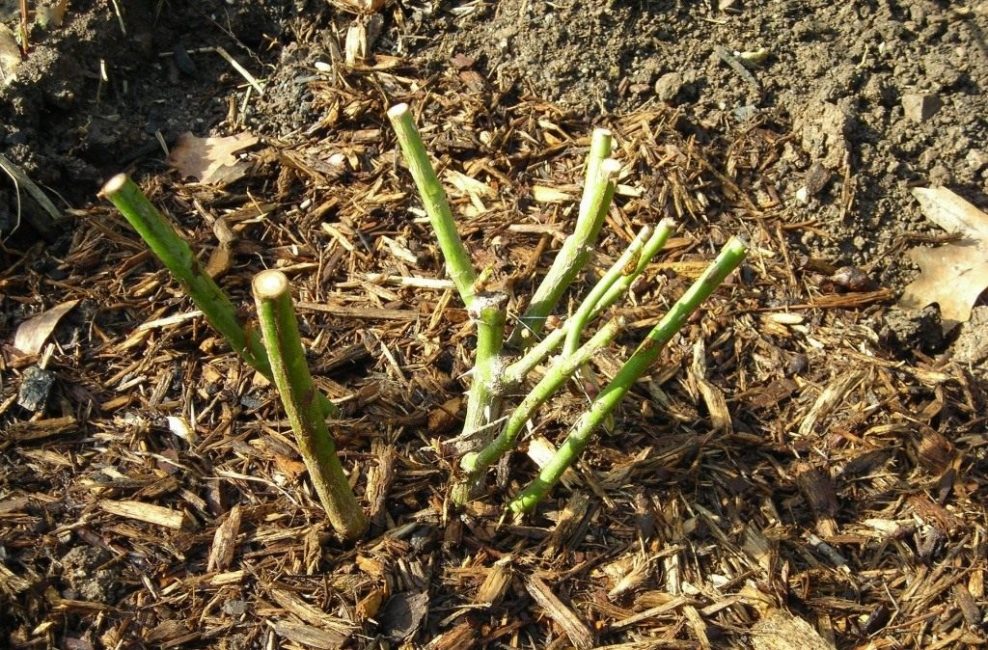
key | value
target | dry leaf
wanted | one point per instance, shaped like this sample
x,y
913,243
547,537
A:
x,y
221,258
953,275
32,333
224,546
210,160
952,213
290,469
220,261
10,55
403,614
444,417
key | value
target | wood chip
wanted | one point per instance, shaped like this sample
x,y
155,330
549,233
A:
x,y
307,635
147,512
780,630
372,313
577,631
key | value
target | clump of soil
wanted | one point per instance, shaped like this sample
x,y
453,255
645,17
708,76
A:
x,y
87,579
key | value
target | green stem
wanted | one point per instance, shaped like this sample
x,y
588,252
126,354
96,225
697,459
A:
x,y
651,248
517,371
173,251
625,265
562,370
483,401
279,328
574,254
646,354
458,263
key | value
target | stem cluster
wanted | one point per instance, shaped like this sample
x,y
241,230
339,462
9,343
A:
x,y
493,375
276,352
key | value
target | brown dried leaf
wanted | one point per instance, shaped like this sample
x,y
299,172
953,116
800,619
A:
x,y
32,333
10,55
954,275
443,418
403,614
290,468
224,542
220,261
210,160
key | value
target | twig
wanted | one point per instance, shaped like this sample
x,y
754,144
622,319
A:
x,y
241,69
24,28
646,354
625,265
20,179
475,463
575,252
737,66
517,371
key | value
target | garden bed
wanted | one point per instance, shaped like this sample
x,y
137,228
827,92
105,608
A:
x,y
807,460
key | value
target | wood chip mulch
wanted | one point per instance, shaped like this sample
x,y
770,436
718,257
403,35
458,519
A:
x,y
779,480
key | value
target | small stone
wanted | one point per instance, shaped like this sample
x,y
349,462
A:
x,y
917,13
971,347
745,113
668,86
817,177
852,278
976,159
803,195
920,108
796,364
940,175
36,384
235,607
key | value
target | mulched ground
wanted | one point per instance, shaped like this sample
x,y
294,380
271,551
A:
x,y
787,476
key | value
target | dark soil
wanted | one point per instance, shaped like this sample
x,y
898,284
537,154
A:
x,y
837,75
844,492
